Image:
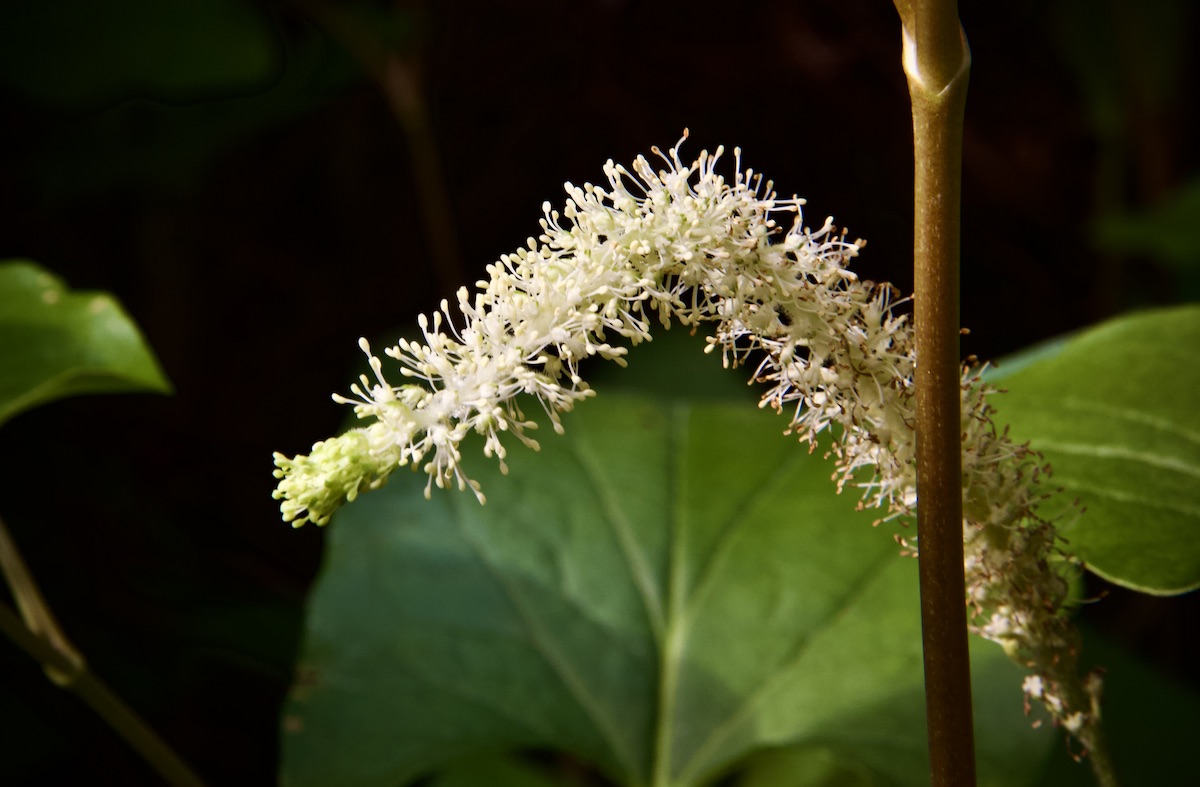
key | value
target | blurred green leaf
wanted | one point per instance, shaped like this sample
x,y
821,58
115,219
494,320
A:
x,y
1115,411
812,766
77,53
1170,232
1124,54
171,146
57,343
669,588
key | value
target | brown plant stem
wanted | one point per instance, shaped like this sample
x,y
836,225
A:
x,y
937,63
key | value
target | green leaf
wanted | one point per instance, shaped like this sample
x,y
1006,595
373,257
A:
x,y
58,343
667,589
80,54
1114,410
1168,231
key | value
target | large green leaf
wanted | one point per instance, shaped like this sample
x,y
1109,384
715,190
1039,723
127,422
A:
x,y
1116,411
57,343
667,589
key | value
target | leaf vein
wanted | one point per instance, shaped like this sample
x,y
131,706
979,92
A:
x,y
613,514
1119,452
723,731
1160,503
1141,418
559,664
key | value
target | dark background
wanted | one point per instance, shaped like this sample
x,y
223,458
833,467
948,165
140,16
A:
x,y
259,187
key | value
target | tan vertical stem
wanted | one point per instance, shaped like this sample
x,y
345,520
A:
x,y
937,63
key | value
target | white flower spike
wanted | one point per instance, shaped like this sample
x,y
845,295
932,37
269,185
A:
x,y
686,243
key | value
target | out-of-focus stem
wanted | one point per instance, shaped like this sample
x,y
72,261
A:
x,y
937,62
40,636
396,77
39,621
403,92
1101,761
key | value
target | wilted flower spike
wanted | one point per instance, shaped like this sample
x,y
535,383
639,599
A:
x,y
693,246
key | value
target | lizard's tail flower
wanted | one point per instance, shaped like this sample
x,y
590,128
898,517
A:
x,y
693,246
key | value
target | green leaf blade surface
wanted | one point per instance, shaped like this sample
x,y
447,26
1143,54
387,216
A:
x,y
1115,411
667,590
58,343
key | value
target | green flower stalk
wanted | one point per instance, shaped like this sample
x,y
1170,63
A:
x,y
684,243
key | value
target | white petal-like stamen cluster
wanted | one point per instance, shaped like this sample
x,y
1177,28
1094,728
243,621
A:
x,y
683,243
